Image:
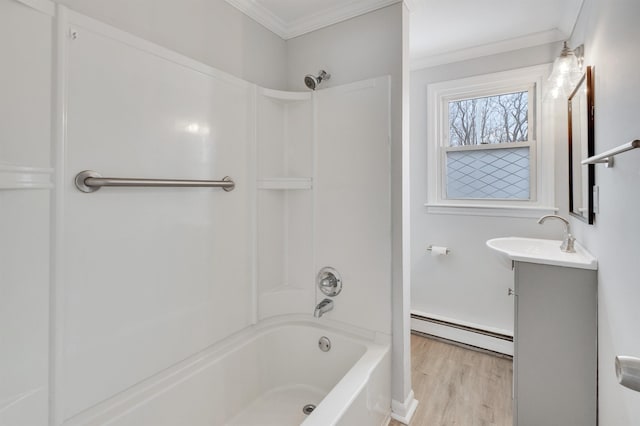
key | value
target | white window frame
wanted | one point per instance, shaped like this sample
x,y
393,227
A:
x,y
541,159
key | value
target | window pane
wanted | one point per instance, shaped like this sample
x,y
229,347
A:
x,y
488,173
493,119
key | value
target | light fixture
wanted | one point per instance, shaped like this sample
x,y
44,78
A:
x,y
567,70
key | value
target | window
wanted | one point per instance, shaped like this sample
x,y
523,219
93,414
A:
x,y
487,148
484,146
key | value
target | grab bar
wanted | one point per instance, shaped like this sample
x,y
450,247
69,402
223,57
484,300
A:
x,y
90,181
607,156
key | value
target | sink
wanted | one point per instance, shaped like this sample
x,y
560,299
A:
x,y
546,252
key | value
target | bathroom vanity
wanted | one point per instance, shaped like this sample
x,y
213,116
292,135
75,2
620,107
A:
x,y
555,335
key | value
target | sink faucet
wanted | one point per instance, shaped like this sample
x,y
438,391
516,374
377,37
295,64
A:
x,y
323,307
568,240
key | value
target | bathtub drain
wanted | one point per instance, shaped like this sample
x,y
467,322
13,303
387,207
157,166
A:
x,y
308,409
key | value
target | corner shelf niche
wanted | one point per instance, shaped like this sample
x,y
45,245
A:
x,y
286,96
285,183
285,163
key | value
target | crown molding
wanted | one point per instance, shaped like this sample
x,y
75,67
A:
x,y
310,22
411,4
261,15
531,40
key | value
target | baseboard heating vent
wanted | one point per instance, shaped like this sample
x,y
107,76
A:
x,y
470,336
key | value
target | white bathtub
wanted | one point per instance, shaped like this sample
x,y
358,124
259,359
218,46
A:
x,y
264,376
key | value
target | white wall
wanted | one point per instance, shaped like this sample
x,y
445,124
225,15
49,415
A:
x,y
342,218
352,200
611,37
217,35
368,46
142,272
468,286
210,31
25,193
285,231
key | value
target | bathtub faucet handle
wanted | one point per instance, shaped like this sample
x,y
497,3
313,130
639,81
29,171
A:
x,y
329,281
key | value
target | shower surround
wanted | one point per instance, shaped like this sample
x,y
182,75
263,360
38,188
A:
x,y
147,281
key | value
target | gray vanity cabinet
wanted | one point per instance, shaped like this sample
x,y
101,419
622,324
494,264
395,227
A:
x,y
555,358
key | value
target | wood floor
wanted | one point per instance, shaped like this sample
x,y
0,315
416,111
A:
x,y
457,386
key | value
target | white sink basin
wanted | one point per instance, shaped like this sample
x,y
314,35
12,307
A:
x,y
546,252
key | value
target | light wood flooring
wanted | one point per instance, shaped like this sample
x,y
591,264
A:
x,y
458,386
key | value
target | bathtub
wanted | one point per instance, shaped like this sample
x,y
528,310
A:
x,y
264,376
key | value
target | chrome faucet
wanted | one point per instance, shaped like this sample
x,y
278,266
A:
x,y
323,307
568,239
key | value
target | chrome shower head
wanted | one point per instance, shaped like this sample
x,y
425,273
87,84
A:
x,y
312,82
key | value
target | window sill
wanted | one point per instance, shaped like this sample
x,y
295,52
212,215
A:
x,y
487,210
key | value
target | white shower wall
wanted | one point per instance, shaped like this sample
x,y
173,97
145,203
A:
x,y
324,200
285,165
353,199
25,191
209,31
145,278
357,49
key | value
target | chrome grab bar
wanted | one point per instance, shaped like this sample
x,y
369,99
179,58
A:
x,y
90,181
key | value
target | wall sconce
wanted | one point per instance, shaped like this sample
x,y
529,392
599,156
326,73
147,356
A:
x,y
567,71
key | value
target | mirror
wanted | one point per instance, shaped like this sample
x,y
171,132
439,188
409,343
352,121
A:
x,y
581,146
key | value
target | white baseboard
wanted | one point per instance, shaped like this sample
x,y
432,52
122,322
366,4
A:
x,y
403,411
459,333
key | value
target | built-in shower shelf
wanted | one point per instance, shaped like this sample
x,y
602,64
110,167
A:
x,y
285,183
282,95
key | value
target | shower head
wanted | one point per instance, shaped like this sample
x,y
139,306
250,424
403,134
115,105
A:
x,y
312,82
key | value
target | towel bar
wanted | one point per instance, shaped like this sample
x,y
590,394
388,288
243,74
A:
x,y
607,156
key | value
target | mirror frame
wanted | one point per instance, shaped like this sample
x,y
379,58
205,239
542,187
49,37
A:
x,y
586,79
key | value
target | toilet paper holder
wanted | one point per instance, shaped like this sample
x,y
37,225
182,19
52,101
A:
x,y
628,372
430,248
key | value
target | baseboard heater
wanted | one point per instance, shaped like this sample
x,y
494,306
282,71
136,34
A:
x,y
461,333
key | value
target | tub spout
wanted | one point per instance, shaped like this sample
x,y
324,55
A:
x,y
323,307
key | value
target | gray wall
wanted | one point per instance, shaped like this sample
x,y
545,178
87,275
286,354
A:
x,y
469,285
610,32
